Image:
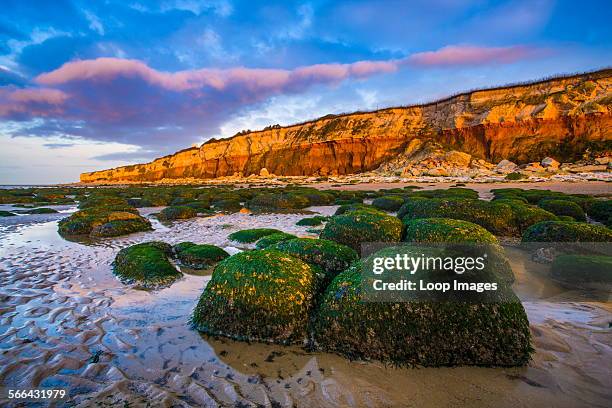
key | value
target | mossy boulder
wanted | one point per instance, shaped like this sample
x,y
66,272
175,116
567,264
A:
x,y
278,201
563,231
330,256
601,210
496,218
408,205
227,205
356,227
388,203
343,209
421,332
272,239
7,214
146,265
104,201
525,215
248,236
312,221
319,197
199,256
103,222
177,212
563,207
430,230
201,207
258,296
181,246
582,269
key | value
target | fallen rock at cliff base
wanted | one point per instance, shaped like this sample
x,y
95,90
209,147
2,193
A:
x,y
549,163
505,166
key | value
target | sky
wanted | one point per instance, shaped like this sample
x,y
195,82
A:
x,y
92,85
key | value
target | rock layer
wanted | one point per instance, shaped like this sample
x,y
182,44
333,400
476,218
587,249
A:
x,y
562,117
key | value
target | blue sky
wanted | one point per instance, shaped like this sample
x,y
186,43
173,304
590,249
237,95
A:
x,y
91,85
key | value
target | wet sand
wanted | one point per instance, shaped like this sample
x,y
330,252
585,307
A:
x,y
582,187
65,321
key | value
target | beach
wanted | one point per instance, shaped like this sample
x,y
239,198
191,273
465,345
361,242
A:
x,y
67,322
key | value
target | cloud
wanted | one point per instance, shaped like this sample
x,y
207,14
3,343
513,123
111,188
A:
x,y
127,101
127,156
58,145
31,102
469,55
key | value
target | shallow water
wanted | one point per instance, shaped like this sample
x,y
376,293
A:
x,y
65,321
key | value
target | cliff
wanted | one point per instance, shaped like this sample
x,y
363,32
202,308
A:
x,y
560,117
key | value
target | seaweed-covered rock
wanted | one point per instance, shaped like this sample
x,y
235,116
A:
x,y
104,201
278,201
563,231
330,256
525,215
429,230
343,209
319,197
421,332
563,207
177,212
181,246
601,210
227,205
496,218
199,256
356,227
258,296
408,205
388,203
103,222
272,239
146,265
7,214
312,221
200,206
251,235
582,269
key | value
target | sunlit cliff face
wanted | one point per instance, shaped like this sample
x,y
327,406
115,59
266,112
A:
x,y
523,123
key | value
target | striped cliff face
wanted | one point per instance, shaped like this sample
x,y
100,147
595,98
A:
x,y
560,117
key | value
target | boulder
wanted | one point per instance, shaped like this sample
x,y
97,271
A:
x,y
264,172
457,159
549,163
146,265
564,231
258,296
505,166
421,332
356,227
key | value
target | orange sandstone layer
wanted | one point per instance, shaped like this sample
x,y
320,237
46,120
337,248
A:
x,y
560,117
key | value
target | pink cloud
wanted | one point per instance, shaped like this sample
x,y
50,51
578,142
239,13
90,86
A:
x,y
470,55
31,101
106,69
38,95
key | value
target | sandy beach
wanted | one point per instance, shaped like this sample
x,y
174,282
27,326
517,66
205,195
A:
x,y
67,322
